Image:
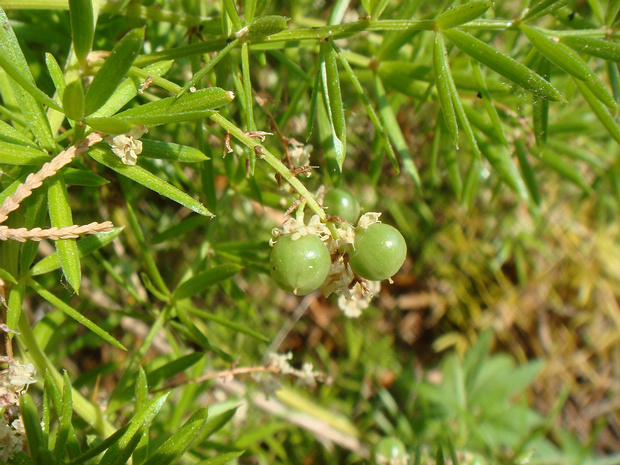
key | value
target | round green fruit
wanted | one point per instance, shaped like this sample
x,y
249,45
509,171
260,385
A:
x,y
391,450
299,266
340,202
379,252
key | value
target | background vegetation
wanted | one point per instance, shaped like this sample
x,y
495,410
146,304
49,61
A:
x,y
487,133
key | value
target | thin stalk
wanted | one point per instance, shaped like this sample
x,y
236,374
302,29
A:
x,y
30,348
272,161
209,66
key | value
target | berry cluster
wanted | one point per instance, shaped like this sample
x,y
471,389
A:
x,y
305,258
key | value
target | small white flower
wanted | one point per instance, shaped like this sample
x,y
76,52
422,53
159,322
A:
x,y
338,279
347,237
352,308
281,362
299,154
20,376
8,397
297,229
358,299
306,376
127,146
18,425
11,440
367,219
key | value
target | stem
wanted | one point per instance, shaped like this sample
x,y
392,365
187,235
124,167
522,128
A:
x,y
209,66
594,33
272,161
30,349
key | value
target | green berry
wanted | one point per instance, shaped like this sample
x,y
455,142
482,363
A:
x,y
391,450
340,202
299,266
378,253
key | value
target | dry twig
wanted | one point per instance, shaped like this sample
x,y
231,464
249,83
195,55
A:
x,y
33,181
38,234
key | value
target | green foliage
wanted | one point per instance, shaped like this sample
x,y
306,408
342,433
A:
x,y
241,100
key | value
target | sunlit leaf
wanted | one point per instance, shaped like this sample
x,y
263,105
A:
x,y
147,179
113,70
333,101
37,445
60,216
605,49
444,89
73,100
266,26
77,316
174,447
30,107
567,60
194,105
171,151
503,64
86,246
462,14
129,88
541,106
82,28
13,154
539,8
120,451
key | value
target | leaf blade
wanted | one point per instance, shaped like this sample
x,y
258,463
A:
x,y
605,49
82,28
85,247
113,70
442,73
174,447
147,179
333,101
504,65
567,60
60,217
205,279
600,110
462,14
194,105
14,154
31,108
67,309
171,151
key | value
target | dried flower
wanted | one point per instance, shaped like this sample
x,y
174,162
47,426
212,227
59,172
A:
x,y
13,382
11,440
367,219
299,154
281,362
297,229
358,298
20,376
306,376
127,146
338,279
